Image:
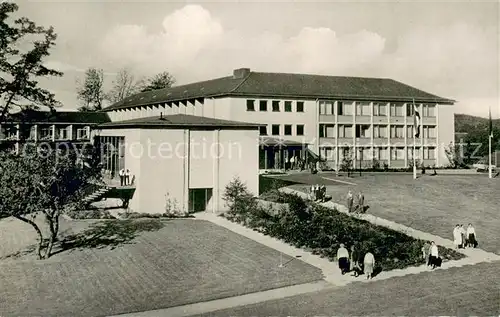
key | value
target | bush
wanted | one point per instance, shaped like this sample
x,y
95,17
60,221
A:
x,y
138,215
90,214
321,230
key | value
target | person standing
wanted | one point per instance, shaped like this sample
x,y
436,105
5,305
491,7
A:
x,y
471,236
369,264
355,259
343,259
434,256
292,163
121,173
426,252
464,237
350,199
361,202
127,177
457,237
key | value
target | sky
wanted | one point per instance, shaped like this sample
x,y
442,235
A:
x,y
447,48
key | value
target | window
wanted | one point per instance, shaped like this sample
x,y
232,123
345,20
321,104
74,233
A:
x,y
328,153
263,130
396,110
345,131
397,154
82,133
379,110
46,133
429,110
275,129
326,107
288,129
62,133
429,153
397,132
276,106
340,108
300,129
33,131
410,109
429,132
380,153
362,109
250,105
288,106
379,131
410,153
263,105
326,131
300,106
362,131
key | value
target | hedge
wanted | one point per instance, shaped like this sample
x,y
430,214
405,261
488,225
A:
x,y
321,230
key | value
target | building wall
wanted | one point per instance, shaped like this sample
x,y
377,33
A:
x,y
445,131
167,163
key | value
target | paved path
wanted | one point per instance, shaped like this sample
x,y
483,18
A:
x,y
230,302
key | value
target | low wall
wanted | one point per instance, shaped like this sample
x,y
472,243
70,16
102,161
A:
x,y
272,208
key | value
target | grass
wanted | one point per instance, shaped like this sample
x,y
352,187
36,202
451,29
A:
x,y
111,267
430,204
462,291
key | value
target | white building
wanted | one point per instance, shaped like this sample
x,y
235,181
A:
x,y
333,116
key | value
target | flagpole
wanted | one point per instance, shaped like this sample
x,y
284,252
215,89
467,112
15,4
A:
x,y
490,171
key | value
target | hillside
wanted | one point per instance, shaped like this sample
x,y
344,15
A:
x,y
468,123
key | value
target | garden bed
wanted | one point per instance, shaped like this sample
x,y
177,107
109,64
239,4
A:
x,y
321,230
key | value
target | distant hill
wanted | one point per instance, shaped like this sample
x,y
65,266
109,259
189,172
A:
x,y
467,123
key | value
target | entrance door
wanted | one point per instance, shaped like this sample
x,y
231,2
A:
x,y
199,198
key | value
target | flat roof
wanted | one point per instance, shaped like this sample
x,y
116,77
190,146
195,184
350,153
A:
x,y
249,84
178,120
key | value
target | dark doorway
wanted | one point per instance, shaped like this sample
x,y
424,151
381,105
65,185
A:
x,y
199,198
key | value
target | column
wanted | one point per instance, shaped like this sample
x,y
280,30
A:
x,y
438,144
185,201
389,150
53,131
372,129
355,149
216,167
36,132
406,137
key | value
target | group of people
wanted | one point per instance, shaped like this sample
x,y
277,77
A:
x,y
463,238
124,177
355,261
360,207
294,162
431,254
318,193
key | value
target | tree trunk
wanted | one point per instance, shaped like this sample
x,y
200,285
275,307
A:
x,y
54,228
38,231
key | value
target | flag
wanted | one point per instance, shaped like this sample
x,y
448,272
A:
x,y
416,120
490,126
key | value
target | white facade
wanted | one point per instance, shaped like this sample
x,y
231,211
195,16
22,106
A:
x,y
373,129
175,164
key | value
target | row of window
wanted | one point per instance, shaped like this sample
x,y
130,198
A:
x,y
287,129
381,153
378,109
275,106
378,131
47,133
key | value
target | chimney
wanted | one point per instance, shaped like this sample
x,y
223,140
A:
x,y
241,73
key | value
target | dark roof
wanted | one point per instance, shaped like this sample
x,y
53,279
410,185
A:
x,y
178,120
282,85
71,117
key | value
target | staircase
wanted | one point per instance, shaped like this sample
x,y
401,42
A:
x,y
95,193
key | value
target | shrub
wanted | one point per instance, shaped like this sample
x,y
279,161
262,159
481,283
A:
x,y
321,230
138,215
172,209
90,214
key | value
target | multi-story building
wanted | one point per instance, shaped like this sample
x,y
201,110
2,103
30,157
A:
x,y
366,118
44,126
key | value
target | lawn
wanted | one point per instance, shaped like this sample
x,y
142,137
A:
x,y
465,291
432,204
113,267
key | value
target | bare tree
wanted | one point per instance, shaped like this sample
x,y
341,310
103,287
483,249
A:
x,y
90,91
124,85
